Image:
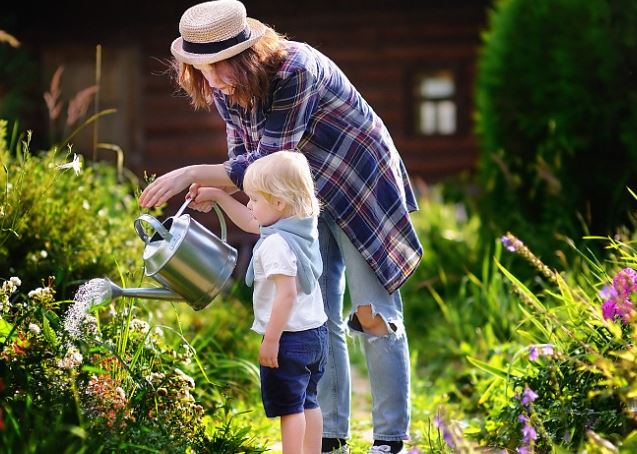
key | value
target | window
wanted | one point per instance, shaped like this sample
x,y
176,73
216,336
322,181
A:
x,y
436,107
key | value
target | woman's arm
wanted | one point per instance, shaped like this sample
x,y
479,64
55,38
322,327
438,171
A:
x,y
172,183
281,310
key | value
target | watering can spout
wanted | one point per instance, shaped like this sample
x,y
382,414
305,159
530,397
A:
x,y
113,291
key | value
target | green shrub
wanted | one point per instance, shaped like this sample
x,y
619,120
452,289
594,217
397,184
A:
x,y
18,76
556,112
59,223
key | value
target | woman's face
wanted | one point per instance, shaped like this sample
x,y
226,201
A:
x,y
218,75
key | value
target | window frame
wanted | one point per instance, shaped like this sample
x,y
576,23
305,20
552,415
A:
x,y
460,98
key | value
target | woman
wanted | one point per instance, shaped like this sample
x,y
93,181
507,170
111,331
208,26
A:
x,y
275,94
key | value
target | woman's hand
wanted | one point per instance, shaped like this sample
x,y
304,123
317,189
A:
x,y
164,187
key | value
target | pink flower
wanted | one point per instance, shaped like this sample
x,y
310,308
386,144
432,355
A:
x,y
617,298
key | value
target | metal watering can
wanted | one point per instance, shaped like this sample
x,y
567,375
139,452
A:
x,y
190,262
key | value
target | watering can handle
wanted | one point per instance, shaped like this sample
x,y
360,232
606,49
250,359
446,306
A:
x,y
159,228
222,222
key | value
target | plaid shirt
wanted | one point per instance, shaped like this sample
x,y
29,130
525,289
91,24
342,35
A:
x,y
359,176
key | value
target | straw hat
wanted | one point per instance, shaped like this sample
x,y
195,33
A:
x,y
214,31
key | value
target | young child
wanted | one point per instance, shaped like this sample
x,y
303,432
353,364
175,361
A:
x,y
288,306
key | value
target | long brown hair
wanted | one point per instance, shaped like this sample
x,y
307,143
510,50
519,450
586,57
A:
x,y
252,71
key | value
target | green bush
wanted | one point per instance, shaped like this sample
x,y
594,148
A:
x,y
55,222
556,102
18,76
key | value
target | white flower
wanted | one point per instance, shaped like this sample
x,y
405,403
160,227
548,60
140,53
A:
x,y
35,329
185,377
120,392
76,165
16,281
71,360
137,325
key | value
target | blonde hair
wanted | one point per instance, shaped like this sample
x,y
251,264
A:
x,y
252,70
285,175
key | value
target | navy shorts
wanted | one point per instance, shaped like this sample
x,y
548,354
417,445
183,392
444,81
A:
x,y
292,387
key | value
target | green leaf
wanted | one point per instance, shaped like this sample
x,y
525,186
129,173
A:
x,y
49,333
53,318
78,432
493,370
630,443
94,370
5,329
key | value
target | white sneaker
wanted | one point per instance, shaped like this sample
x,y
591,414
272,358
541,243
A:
x,y
342,450
382,449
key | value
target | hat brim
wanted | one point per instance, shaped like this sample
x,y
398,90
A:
x,y
257,30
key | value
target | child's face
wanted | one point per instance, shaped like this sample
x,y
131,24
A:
x,y
265,212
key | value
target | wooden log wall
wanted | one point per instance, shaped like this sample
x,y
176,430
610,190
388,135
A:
x,y
379,44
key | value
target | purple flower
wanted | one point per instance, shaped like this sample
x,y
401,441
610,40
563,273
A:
x,y
511,243
625,282
528,433
528,396
608,292
609,310
446,433
618,297
523,450
508,243
535,351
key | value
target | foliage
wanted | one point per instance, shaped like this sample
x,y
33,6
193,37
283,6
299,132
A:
x,y
456,301
55,222
556,109
114,376
569,383
18,78
118,384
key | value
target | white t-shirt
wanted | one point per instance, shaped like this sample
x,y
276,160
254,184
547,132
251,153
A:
x,y
274,256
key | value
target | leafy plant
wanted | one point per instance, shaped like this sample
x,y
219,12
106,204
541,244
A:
x,y
63,219
556,111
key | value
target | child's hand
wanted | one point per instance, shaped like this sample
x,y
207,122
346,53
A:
x,y
203,197
268,353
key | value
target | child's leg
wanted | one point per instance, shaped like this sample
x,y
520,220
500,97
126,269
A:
x,y
313,431
292,433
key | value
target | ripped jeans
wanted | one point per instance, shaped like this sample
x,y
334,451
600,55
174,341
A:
x,y
387,356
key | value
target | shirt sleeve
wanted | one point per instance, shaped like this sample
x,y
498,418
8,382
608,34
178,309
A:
x,y
277,257
294,102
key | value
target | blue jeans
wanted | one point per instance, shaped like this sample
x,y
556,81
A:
x,y
387,356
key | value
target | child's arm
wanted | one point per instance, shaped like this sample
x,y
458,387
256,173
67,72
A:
x,y
281,310
203,198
